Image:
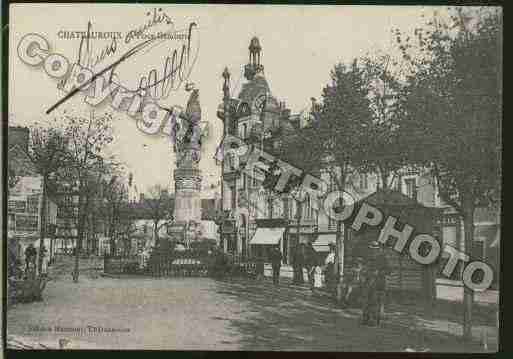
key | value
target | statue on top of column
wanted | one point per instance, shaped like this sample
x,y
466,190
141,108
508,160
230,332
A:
x,y
189,131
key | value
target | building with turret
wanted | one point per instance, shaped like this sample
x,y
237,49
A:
x,y
253,219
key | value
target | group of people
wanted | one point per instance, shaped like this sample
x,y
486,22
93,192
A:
x,y
31,258
364,285
304,258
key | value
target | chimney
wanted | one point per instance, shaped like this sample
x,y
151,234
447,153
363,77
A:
x,y
18,136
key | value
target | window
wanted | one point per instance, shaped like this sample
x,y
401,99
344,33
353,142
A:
x,y
397,184
363,181
478,249
11,222
411,188
231,244
20,206
230,162
308,208
26,223
292,206
33,204
255,182
233,197
244,131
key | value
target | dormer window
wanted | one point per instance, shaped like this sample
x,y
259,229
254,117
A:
x,y
411,187
363,181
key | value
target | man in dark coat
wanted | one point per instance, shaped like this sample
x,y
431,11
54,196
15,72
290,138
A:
x,y
30,256
298,264
310,263
329,268
276,264
375,285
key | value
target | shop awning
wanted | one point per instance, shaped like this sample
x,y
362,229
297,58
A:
x,y
323,241
271,236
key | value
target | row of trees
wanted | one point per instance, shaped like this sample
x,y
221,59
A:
x,y
436,106
90,188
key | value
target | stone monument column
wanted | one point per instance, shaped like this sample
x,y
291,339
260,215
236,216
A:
x,y
187,175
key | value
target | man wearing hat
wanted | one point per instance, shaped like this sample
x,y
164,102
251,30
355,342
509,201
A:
x,y
375,284
329,267
354,280
276,258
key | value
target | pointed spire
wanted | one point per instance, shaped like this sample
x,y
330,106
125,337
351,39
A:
x,y
226,84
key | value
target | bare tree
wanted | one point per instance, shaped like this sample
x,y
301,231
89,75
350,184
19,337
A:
x,y
87,139
47,151
161,209
115,198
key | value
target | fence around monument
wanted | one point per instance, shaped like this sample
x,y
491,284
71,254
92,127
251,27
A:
x,y
181,264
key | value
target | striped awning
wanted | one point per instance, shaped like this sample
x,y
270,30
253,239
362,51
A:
x,y
323,241
269,236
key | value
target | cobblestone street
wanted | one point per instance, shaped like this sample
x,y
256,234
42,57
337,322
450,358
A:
x,y
205,314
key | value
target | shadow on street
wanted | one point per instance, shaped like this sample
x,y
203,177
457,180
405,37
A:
x,y
291,318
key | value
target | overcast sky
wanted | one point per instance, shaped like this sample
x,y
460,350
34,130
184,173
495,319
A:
x,y
300,45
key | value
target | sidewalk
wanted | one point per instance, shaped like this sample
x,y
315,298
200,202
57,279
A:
x,y
410,316
453,291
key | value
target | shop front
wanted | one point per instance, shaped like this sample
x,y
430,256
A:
x,y
229,236
264,240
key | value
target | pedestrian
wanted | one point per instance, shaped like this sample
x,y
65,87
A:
x,y
383,270
260,268
370,306
329,268
311,263
276,264
297,265
30,257
354,282
375,285
317,277
44,261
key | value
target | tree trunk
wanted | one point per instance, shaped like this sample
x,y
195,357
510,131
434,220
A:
x,y
42,225
77,250
80,234
468,294
384,179
52,239
299,214
112,232
339,262
156,232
